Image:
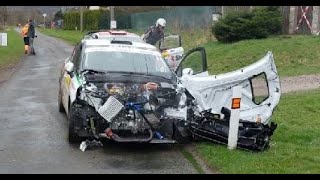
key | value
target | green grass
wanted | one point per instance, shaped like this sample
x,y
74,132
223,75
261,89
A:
x,y
11,54
295,145
191,159
70,36
294,55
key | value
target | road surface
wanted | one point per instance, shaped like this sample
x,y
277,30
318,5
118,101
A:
x,y
33,134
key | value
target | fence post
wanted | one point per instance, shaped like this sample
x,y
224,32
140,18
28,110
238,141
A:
x,y
292,19
234,117
222,11
315,20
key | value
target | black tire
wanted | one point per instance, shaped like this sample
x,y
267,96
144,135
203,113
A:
x,y
61,108
72,135
178,136
195,138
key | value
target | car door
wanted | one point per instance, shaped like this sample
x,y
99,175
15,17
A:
x,y
172,50
259,81
67,76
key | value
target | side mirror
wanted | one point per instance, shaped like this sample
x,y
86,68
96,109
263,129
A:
x,y
69,67
187,71
66,60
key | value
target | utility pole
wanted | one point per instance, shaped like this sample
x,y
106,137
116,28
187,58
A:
x,y
113,24
112,13
222,11
81,19
44,19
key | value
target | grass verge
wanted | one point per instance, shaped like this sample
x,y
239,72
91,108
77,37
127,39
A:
x,y
10,55
70,36
294,146
294,55
192,160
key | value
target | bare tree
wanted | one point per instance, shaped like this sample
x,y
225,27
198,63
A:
x,y
3,15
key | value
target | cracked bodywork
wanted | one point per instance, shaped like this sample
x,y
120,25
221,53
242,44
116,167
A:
x,y
213,96
215,91
187,104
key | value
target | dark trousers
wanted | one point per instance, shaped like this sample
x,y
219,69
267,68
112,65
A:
x,y
26,40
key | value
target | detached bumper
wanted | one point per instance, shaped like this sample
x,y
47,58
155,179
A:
x,y
254,138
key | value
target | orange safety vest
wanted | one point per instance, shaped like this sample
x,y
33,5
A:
x,y
25,29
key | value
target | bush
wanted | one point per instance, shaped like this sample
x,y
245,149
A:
x,y
95,20
90,19
260,23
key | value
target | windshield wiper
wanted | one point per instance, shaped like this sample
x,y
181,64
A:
x,y
139,73
127,72
163,77
96,71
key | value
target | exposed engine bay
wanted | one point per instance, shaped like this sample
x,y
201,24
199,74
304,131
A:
x,y
128,111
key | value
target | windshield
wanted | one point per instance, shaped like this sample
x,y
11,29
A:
x,y
127,62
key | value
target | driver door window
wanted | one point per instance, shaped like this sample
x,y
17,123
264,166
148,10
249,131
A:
x,y
194,59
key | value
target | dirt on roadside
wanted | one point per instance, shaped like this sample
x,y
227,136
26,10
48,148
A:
x,y
300,83
7,71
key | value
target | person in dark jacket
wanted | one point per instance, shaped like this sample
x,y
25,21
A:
x,y
155,32
31,34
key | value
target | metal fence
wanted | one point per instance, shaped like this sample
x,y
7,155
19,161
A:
x,y
178,17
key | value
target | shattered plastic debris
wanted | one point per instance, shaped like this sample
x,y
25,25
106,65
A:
x,y
89,144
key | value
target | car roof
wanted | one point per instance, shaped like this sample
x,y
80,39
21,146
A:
x,y
113,34
91,44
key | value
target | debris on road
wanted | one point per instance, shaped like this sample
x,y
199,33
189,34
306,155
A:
x,y
90,144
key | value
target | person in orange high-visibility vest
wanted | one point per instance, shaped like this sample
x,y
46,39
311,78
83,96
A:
x,y
24,33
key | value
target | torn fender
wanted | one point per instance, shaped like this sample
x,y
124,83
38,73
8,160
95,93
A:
x,y
215,91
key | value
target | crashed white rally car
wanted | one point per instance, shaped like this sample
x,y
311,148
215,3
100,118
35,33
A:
x,y
125,91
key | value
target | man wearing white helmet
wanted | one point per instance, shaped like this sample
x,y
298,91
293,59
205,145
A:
x,y
155,32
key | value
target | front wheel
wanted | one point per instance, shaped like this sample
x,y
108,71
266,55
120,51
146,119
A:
x,y
72,135
61,108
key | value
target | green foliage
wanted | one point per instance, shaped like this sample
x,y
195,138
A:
x,y
260,23
95,20
58,15
71,20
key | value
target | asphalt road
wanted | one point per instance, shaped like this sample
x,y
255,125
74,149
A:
x,y
33,134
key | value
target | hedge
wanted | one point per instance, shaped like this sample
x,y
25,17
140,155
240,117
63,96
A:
x,y
94,20
260,23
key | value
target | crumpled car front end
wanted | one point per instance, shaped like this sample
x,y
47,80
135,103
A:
x,y
128,110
